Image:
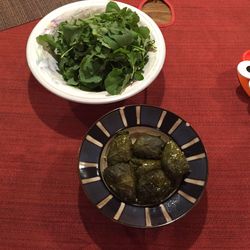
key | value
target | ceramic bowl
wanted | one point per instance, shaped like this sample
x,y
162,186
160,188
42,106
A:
x,y
152,120
44,67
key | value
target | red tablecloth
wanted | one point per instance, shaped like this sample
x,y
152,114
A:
x,y
41,201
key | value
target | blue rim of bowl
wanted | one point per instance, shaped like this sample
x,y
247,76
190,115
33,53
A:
x,y
176,206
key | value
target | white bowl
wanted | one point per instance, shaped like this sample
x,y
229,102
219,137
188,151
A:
x,y
43,66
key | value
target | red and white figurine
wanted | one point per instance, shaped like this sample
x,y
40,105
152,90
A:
x,y
243,69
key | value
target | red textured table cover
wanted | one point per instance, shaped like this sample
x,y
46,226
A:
x,y
42,205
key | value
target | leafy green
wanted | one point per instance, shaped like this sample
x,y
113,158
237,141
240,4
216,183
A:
x,y
153,187
120,149
142,166
106,51
112,7
148,147
121,179
173,160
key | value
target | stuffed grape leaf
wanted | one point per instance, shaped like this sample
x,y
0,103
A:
x,y
120,178
173,160
153,187
142,166
120,149
148,147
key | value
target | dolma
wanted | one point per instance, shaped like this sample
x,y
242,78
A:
x,y
173,160
153,187
142,166
148,147
120,149
120,178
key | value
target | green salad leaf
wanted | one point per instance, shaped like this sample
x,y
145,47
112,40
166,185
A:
x,y
106,51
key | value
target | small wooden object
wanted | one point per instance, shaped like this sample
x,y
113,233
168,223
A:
x,y
160,11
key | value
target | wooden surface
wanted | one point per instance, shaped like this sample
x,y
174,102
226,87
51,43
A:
x,y
159,11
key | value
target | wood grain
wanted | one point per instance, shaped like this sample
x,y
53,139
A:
x,y
159,11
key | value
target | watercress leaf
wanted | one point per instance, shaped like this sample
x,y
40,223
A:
x,y
86,65
70,32
126,80
98,48
144,32
131,17
132,58
105,51
71,72
72,82
110,43
47,41
138,76
88,73
124,39
114,81
112,7
90,80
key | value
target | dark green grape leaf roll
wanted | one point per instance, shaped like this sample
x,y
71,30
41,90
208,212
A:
x,y
142,166
173,160
153,187
120,178
120,149
148,147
